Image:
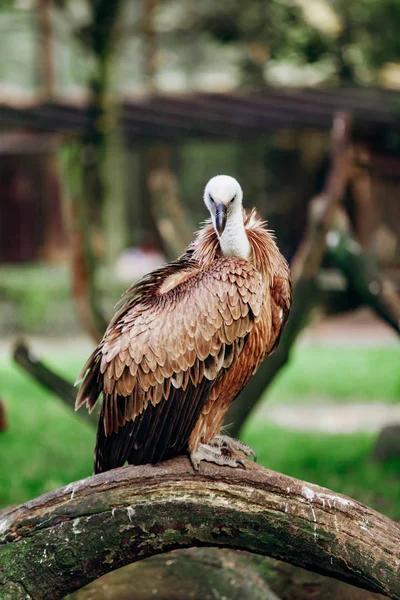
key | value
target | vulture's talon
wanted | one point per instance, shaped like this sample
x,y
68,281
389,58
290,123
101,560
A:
x,y
216,455
231,444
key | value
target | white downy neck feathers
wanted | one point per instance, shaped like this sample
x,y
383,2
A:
x,y
223,197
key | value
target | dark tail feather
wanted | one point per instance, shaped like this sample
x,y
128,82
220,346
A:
x,y
111,451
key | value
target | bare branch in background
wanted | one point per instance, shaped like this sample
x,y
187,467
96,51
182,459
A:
x,y
305,267
83,264
48,379
322,208
363,274
99,524
171,218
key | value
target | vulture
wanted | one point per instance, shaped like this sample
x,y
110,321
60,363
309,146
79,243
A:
x,y
186,339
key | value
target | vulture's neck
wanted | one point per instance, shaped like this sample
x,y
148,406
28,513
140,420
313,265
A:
x,y
234,240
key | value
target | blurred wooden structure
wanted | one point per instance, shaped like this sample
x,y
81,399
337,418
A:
x,y
281,176
31,223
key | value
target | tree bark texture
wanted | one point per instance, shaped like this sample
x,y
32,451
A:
x,y
61,541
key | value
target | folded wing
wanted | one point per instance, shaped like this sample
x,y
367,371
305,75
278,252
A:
x,y
163,353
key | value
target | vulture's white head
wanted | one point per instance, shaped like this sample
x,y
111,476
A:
x,y
223,197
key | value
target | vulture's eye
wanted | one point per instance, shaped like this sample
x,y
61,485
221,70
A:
x,y
212,199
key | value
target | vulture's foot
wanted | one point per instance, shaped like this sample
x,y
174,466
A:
x,y
229,445
216,455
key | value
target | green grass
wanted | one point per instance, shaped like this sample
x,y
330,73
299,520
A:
x,y
340,374
336,374
338,462
47,445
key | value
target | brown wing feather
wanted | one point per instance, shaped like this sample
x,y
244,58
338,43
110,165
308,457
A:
x,y
260,342
281,300
162,355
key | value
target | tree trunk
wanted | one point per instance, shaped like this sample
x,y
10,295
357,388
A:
x,y
46,49
61,541
87,214
171,218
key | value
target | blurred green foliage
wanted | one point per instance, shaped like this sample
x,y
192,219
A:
x,y
349,45
351,39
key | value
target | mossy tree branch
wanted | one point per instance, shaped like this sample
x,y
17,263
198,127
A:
x,y
67,538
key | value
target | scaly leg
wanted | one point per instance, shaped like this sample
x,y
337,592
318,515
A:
x,y
229,444
215,455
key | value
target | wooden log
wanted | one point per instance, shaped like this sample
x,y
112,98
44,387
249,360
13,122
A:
x,y
195,573
61,541
205,573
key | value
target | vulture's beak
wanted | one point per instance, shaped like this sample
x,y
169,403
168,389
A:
x,y
220,218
